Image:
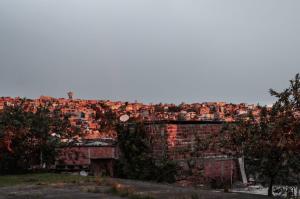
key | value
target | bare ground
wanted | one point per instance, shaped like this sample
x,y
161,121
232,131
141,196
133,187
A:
x,y
92,191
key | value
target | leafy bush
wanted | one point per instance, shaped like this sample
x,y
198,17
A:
x,y
137,160
25,137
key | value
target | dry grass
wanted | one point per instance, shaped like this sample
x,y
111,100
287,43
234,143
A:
x,y
43,179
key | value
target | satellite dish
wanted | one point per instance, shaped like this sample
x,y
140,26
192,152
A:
x,y
124,118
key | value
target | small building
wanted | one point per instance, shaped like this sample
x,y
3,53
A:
x,y
97,157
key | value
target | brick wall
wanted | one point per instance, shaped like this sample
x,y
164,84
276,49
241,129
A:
x,y
194,146
82,155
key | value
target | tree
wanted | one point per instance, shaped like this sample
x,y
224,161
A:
x,y
159,107
288,106
137,160
268,141
47,129
30,138
14,127
108,120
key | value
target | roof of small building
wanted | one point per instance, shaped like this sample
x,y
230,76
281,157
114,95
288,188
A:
x,y
185,122
103,142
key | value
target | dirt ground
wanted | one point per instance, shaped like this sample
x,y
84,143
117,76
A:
x,y
90,191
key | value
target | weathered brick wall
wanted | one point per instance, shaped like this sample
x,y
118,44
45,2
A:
x,y
215,169
82,155
185,138
194,146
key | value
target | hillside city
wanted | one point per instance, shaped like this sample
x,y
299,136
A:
x,y
93,118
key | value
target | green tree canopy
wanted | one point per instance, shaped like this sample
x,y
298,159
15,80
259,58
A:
x,y
270,143
29,138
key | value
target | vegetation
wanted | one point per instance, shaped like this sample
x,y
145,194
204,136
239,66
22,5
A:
x,y
41,178
108,118
28,138
137,160
270,144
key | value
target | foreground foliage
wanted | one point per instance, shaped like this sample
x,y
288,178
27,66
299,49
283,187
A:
x,y
270,143
28,138
137,160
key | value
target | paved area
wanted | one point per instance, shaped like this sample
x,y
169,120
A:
x,y
167,191
73,191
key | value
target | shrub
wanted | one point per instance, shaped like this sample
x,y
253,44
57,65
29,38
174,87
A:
x,y
137,160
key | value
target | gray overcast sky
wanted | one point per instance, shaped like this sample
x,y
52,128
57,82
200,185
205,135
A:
x,y
149,50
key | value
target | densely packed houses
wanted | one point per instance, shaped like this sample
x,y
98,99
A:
x,y
93,117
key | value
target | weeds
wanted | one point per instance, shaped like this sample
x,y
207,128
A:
x,y
42,178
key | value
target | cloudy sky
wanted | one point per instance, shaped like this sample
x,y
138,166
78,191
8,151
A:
x,y
149,50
